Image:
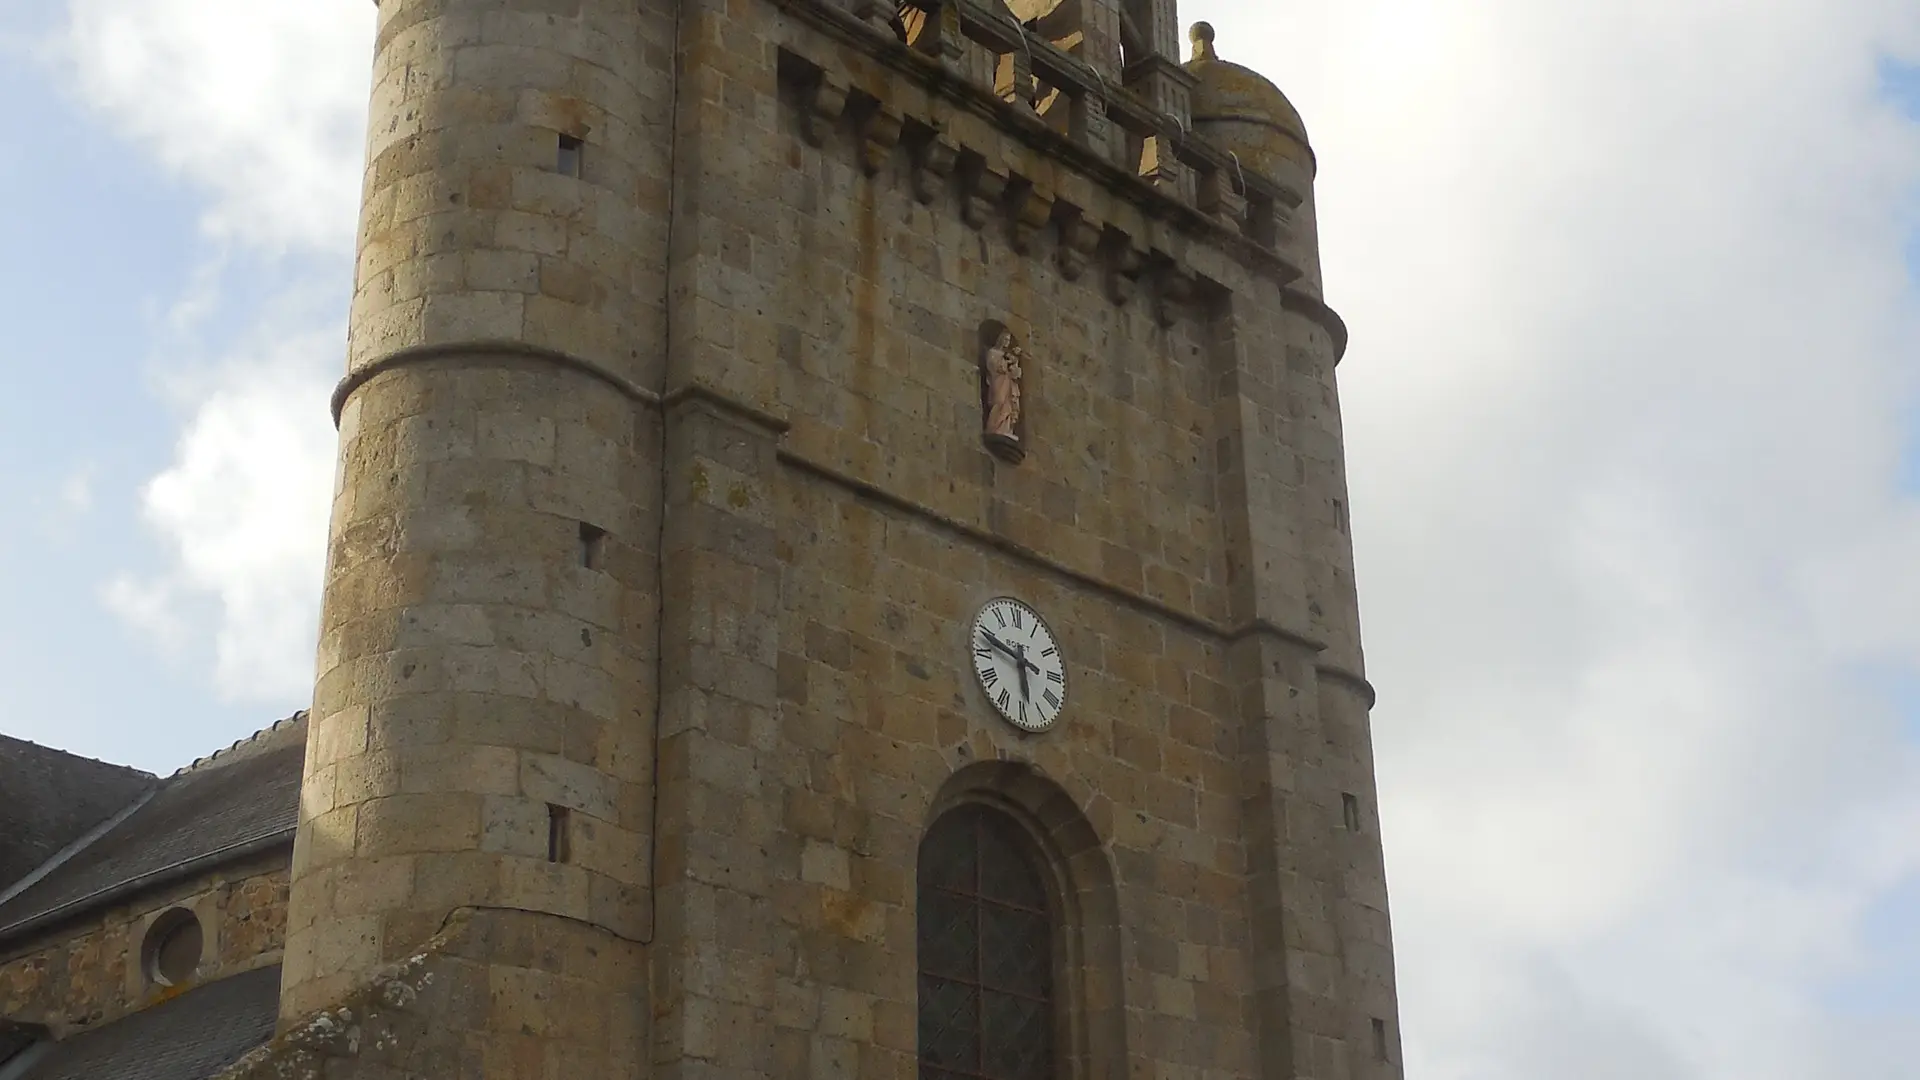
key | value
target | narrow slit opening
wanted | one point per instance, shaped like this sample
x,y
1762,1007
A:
x,y
558,849
1380,1038
571,151
1350,811
593,546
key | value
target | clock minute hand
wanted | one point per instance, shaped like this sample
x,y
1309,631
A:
x,y
1021,656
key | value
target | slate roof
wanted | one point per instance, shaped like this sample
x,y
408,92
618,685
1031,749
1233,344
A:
x,y
49,799
190,1037
224,807
15,1038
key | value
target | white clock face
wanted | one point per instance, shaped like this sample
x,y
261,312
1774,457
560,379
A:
x,y
1019,664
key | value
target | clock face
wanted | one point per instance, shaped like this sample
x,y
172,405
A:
x,y
1019,664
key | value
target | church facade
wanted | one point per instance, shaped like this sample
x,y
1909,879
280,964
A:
x,y
839,568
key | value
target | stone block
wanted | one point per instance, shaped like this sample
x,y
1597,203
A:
x,y
414,823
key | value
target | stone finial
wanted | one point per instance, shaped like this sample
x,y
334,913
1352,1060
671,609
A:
x,y
1202,36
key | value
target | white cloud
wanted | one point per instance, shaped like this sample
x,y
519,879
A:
x,y
261,103
242,511
153,607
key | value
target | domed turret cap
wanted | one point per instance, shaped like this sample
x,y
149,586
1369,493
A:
x,y
1231,104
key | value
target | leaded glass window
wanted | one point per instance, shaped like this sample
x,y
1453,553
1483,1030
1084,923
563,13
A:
x,y
986,953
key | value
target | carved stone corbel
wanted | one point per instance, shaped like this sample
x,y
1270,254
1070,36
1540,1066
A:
x,y
821,107
981,190
1124,264
1028,212
1079,239
933,163
879,134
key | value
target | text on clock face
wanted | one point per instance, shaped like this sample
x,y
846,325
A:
x,y
1019,664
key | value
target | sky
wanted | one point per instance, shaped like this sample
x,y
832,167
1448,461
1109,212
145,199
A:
x,y
1634,442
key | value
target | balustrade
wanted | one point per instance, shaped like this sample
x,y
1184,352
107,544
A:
x,y
1102,73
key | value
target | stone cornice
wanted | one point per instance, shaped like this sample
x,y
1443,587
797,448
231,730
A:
x,y
872,492
465,349
1317,310
725,402
942,82
866,489
1352,679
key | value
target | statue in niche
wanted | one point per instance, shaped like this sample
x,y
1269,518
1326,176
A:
x,y
1002,369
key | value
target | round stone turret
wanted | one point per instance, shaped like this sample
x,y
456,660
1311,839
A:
x,y
1239,110
480,734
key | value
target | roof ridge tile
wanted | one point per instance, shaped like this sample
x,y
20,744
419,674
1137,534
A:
x,y
228,754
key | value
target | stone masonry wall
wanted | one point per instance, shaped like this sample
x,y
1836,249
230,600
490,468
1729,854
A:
x,y
810,727
79,976
880,707
493,994
1217,704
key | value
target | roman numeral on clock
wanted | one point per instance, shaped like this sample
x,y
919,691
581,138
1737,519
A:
x,y
990,676
1052,699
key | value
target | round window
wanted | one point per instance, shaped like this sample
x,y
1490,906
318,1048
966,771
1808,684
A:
x,y
172,949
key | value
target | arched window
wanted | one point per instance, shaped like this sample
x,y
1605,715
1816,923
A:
x,y
986,952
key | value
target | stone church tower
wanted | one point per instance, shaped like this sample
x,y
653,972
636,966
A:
x,y
839,562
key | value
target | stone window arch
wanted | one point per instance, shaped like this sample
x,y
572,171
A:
x,y
1018,934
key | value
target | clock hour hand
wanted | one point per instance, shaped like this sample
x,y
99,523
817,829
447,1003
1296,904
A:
x,y
1026,665
1001,645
